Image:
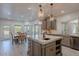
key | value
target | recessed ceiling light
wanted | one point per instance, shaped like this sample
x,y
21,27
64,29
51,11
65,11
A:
x,y
29,8
9,18
9,13
40,22
22,16
62,11
27,23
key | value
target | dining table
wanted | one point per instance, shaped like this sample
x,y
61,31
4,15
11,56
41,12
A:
x,y
20,37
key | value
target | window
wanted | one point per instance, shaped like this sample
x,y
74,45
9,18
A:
x,y
74,26
18,28
64,27
6,30
70,27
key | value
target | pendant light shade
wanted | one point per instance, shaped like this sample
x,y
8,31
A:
x,y
51,15
41,12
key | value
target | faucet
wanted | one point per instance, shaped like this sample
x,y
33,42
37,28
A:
x,y
44,34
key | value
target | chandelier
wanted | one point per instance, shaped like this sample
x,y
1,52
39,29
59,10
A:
x,y
41,12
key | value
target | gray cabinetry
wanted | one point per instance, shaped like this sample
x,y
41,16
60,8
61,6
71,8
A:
x,y
36,49
47,24
44,24
66,40
75,42
30,48
53,24
50,49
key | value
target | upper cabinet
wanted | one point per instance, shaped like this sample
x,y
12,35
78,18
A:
x,y
49,25
53,24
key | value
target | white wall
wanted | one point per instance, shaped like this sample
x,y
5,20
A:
x,y
66,18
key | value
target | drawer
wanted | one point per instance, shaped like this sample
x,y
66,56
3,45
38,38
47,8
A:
x,y
51,44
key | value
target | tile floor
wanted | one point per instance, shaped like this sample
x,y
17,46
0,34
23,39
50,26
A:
x,y
7,49
69,52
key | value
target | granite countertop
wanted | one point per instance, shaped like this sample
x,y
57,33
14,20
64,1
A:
x,y
71,35
74,35
51,39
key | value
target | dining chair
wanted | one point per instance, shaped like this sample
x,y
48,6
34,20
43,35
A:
x,y
14,40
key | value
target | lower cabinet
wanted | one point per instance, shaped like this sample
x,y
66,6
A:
x,y
66,41
36,49
30,48
71,41
75,43
50,51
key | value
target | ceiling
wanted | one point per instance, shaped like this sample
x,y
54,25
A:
x,y
29,11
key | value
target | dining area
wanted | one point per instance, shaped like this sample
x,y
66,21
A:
x,y
18,38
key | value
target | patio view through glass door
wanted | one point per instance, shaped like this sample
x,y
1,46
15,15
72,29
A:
x,y
17,28
33,30
37,31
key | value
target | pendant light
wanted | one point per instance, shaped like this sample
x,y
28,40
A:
x,y
51,15
41,12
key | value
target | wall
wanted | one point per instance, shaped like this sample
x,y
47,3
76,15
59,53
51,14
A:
x,y
66,18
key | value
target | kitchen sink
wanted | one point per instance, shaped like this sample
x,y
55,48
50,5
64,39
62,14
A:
x,y
46,39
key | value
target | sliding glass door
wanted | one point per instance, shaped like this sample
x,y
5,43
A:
x,y
33,30
29,29
37,31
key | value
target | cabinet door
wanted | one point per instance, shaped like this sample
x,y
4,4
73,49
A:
x,y
50,51
36,49
44,24
48,24
30,48
66,41
53,25
75,42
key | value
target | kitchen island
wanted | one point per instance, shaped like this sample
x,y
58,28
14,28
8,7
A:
x,y
48,46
